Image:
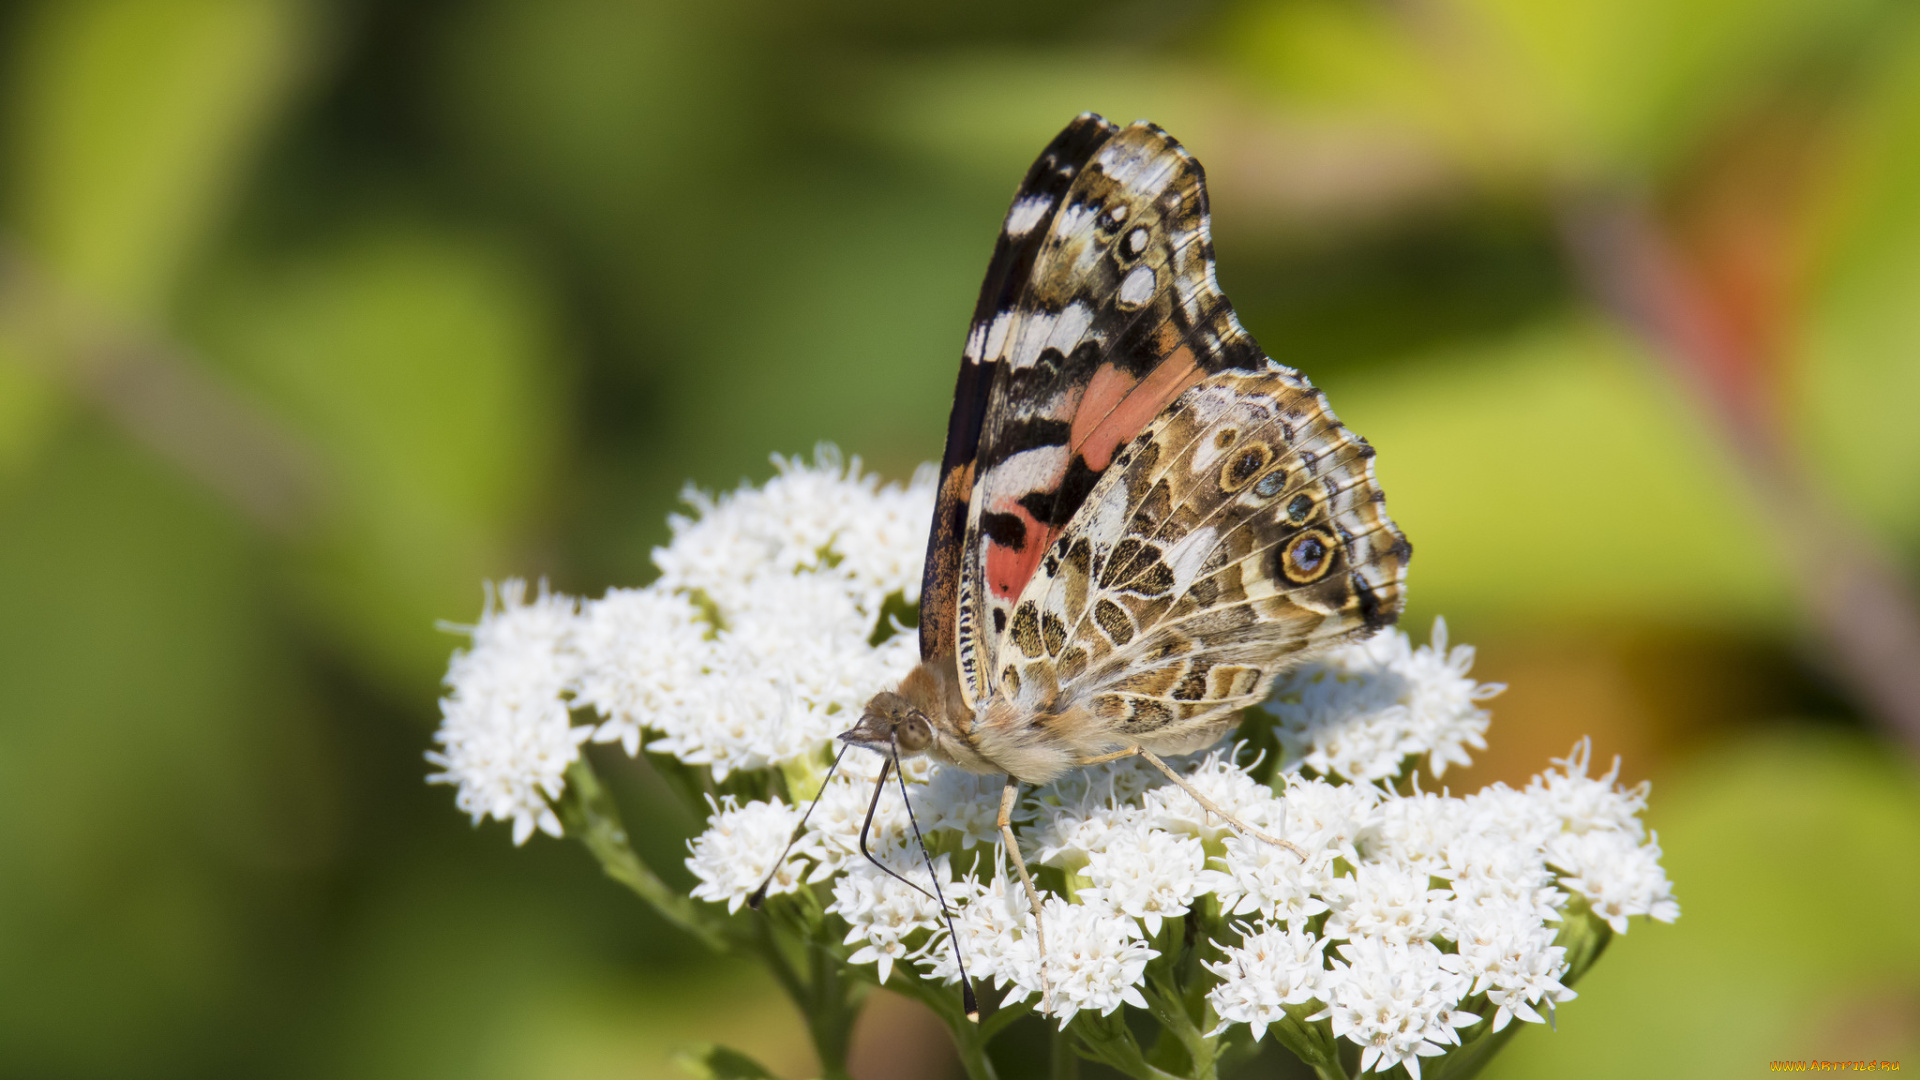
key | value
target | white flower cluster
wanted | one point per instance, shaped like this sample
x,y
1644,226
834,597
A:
x,y
751,649
1360,712
1406,907
1411,916
505,735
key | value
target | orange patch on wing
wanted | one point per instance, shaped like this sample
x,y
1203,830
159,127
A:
x,y
1114,409
1105,391
1008,569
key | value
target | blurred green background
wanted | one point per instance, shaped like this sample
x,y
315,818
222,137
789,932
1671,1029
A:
x,y
314,314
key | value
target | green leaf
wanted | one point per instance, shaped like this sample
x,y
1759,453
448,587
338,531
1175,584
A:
x,y
1862,330
135,120
1527,90
711,1062
1635,511
143,784
591,817
421,368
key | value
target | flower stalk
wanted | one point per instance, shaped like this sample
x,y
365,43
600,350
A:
x,y
588,814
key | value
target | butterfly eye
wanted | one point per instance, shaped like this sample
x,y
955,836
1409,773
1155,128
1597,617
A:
x,y
1135,244
1115,216
913,733
1299,508
1272,484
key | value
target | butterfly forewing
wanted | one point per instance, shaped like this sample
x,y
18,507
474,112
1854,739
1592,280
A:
x,y
1009,273
1119,317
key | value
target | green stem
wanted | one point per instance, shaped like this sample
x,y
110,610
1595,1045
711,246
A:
x,y
590,816
830,1014
1314,1044
1063,1063
1333,1071
768,948
1106,1039
997,1021
969,1039
971,1042
1169,1007
823,998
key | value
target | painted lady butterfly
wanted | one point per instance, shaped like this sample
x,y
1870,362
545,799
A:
x,y
1141,518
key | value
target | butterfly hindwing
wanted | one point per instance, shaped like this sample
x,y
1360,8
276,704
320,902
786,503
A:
x,y
1119,316
1241,531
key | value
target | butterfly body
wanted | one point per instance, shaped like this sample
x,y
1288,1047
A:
x,y
1142,519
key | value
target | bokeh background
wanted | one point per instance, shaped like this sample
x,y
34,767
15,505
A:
x,y
315,314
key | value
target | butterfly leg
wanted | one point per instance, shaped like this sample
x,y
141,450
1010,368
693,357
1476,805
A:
x,y
1205,803
1010,797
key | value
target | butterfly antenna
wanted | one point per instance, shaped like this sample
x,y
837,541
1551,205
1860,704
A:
x,y
967,999
760,894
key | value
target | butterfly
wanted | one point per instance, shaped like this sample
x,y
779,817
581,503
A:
x,y
1141,518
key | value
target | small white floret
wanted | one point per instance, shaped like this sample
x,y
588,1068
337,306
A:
x,y
1096,961
1396,1002
1269,970
737,852
1146,873
1362,710
506,736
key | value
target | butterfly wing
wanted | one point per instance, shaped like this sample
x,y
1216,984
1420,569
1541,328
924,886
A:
x,y
1241,531
1118,315
1027,226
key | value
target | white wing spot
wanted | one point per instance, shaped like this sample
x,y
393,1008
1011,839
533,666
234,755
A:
x,y
997,336
1033,336
1125,164
1074,219
1041,330
1071,327
1026,213
1038,469
1189,555
1108,525
1137,289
